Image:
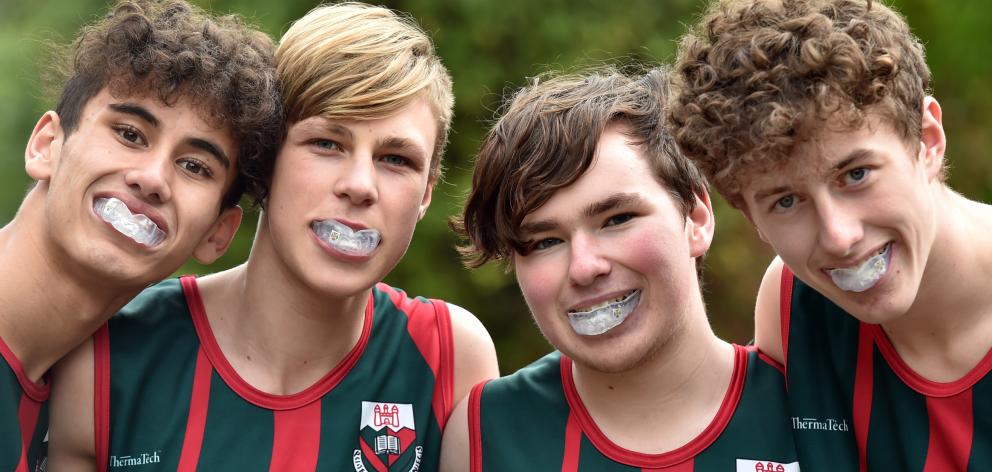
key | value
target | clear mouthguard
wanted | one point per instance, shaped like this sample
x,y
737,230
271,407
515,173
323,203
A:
x,y
138,227
345,239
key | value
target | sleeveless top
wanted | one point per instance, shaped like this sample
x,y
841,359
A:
x,y
856,405
23,417
535,420
168,399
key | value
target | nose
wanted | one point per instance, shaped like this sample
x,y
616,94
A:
x,y
357,180
150,178
840,227
587,262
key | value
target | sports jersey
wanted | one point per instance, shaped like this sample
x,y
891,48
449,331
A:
x,y
856,405
168,399
23,417
535,420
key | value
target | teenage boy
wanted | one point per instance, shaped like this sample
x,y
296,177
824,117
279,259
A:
x,y
136,169
812,117
581,190
300,359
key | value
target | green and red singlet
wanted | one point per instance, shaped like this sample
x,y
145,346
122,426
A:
x,y
168,399
535,420
856,405
23,417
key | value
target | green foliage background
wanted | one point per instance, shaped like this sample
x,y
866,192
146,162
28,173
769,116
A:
x,y
490,48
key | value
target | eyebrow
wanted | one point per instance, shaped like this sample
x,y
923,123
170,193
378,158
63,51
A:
x,y
137,111
852,157
402,144
607,204
212,149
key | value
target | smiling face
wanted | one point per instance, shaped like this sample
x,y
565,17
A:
x,y
135,189
346,196
854,216
613,243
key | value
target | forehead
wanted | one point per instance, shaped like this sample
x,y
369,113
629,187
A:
x,y
617,167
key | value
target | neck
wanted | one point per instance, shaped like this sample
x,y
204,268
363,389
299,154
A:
x,y
946,331
48,306
278,333
671,398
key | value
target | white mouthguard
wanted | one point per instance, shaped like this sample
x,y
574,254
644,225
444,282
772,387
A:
x,y
865,276
605,318
345,239
138,227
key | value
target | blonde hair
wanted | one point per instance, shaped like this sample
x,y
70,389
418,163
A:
x,y
360,62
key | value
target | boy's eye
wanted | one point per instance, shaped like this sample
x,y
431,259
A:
x,y
854,176
395,160
544,244
196,167
130,134
785,202
619,219
326,145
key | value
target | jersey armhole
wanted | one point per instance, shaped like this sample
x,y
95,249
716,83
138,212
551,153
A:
x,y
101,395
785,303
446,371
475,426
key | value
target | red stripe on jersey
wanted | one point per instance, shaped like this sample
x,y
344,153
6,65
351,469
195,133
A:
x,y
863,385
296,439
27,416
429,325
38,393
785,302
370,456
687,466
475,427
101,396
573,443
921,384
196,423
951,432
767,360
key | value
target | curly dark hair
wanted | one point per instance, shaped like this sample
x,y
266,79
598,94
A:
x,y
755,77
546,139
173,50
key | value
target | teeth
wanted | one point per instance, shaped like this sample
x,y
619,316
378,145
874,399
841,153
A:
x,y
865,276
345,239
605,316
137,227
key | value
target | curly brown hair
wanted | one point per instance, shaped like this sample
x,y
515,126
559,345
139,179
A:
x,y
755,77
546,140
170,50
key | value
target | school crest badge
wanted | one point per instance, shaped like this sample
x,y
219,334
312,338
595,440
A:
x,y
385,437
747,465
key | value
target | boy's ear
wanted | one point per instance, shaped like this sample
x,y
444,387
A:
x,y
44,147
215,243
700,225
426,200
933,142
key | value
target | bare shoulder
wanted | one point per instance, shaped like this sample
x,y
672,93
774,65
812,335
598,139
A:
x,y
71,444
455,447
767,312
475,354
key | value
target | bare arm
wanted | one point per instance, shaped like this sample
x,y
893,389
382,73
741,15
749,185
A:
x,y
767,313
71,431
475,355
455,445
